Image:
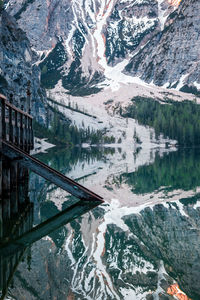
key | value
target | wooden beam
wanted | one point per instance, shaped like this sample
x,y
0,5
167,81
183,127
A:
x,y
48,173
36,233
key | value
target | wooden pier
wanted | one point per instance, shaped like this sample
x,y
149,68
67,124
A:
x,y
16,126
16,211
16,141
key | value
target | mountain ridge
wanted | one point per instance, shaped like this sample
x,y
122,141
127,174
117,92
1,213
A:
x,y
98,35
182,65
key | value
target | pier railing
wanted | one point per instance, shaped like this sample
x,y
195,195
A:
x,y
16,125
16,140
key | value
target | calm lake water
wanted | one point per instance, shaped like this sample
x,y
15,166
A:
x,y
142,243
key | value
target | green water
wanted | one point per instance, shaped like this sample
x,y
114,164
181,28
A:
x,y
117,250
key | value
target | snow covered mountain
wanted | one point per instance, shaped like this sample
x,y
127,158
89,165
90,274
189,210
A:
x,y
171,58
82,42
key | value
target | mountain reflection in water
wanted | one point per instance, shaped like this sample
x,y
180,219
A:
x,y
117,251
17,233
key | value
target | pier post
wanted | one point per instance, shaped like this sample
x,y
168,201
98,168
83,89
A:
x,y
5,192
3,121
31,134
11,120
25,133
16,129
14,187
10,125
23,178
21,131
1,206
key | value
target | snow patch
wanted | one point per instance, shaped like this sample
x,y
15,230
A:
x,y
197,85
181,81
41,146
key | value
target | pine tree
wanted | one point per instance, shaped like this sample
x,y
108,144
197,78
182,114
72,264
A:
x,y
1,5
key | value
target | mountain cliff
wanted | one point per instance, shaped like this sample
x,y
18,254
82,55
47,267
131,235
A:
x,y
172,57
80,43
17,68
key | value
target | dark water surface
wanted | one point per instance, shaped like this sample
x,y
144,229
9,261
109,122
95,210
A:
x,y
118,250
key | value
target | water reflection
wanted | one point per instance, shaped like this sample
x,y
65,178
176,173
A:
x,y
63,159
16,217
118,251
17,233
178,170
171,235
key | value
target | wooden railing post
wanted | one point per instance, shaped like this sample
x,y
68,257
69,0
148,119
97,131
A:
x,y
16,123
25,133
16,129
3,121
10,125
11,138
21,131
31,133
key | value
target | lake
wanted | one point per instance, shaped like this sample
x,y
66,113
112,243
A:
x,y
141,243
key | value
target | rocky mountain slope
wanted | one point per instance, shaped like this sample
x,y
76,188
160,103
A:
x,y
17,68
79,42
87,46
172,57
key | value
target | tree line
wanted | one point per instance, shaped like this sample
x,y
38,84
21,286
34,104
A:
x,y
61,132
175,120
